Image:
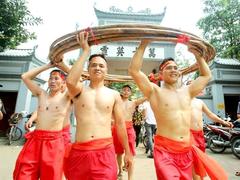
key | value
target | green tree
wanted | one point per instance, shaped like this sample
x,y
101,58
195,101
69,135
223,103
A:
x,y
14,19
221,26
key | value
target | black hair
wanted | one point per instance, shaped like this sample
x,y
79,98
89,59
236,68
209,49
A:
x,y
62,74
97,55
128,86
165,61
154,71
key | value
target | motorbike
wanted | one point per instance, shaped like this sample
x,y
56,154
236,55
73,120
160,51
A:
x,y
235,141
220,139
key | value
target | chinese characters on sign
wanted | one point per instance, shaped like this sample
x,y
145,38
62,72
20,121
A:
x,y
123,51
104,50
152,52
120,51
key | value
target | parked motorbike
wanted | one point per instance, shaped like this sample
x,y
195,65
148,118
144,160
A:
x,y
220,139
235,142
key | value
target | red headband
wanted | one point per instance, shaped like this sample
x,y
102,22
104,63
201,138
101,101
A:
x,y
167,63
60,74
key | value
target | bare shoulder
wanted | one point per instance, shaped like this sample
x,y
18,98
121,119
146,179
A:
x,y
156,88
66,94
111,92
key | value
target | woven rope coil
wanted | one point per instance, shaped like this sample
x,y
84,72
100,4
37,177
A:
x,y
128,32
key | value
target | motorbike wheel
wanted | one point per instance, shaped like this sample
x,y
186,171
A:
x,y
236,147
208,138
216,148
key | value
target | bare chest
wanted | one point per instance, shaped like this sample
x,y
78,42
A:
x,y
94,100
55,103
172,100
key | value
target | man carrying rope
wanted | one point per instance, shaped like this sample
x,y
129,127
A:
x,y
42,155
174,153
92,156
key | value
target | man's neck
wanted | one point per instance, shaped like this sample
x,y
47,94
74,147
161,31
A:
x,y
170,86
96,84
125,99
53,93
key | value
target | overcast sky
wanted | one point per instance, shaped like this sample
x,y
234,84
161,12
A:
x,y
61,16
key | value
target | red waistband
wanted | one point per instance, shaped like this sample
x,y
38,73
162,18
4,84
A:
x,y
66,128
170,145
196,131
93,144
44,134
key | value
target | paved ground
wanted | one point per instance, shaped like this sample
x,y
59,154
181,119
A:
x,y
144,167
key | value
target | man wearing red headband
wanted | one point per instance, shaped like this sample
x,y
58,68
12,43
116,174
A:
x,y
42,155
174,153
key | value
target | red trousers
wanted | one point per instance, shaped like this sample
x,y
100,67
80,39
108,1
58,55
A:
x,y
91,160
175,160
41,157
66,135
131,139
199,139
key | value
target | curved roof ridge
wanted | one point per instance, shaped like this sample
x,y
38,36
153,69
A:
x,y
129,13
17,52
227,61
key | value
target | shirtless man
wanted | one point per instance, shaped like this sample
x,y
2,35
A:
x,y
129,108
42,155
198,107
173,150
66,123
92,156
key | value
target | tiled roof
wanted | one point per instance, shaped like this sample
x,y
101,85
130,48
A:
x,y
17,52
223,61
161,15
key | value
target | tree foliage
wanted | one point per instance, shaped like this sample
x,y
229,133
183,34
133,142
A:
x,y
14,18
221,26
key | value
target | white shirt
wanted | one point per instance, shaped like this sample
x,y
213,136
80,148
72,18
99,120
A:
x,y
150,118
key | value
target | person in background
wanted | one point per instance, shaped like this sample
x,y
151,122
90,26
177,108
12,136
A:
x,y
198,107
150,126
238,116
138,121
154,77
2,109
129,107
238,111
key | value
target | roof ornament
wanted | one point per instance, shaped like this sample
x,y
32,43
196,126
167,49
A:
x,y
130,9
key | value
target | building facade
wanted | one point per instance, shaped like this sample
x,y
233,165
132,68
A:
x,y
223,91
14,94
119,54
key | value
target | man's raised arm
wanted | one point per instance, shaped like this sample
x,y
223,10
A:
x,y
214,117
205,74
140,101
134,70
121,128
28,77
73,83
